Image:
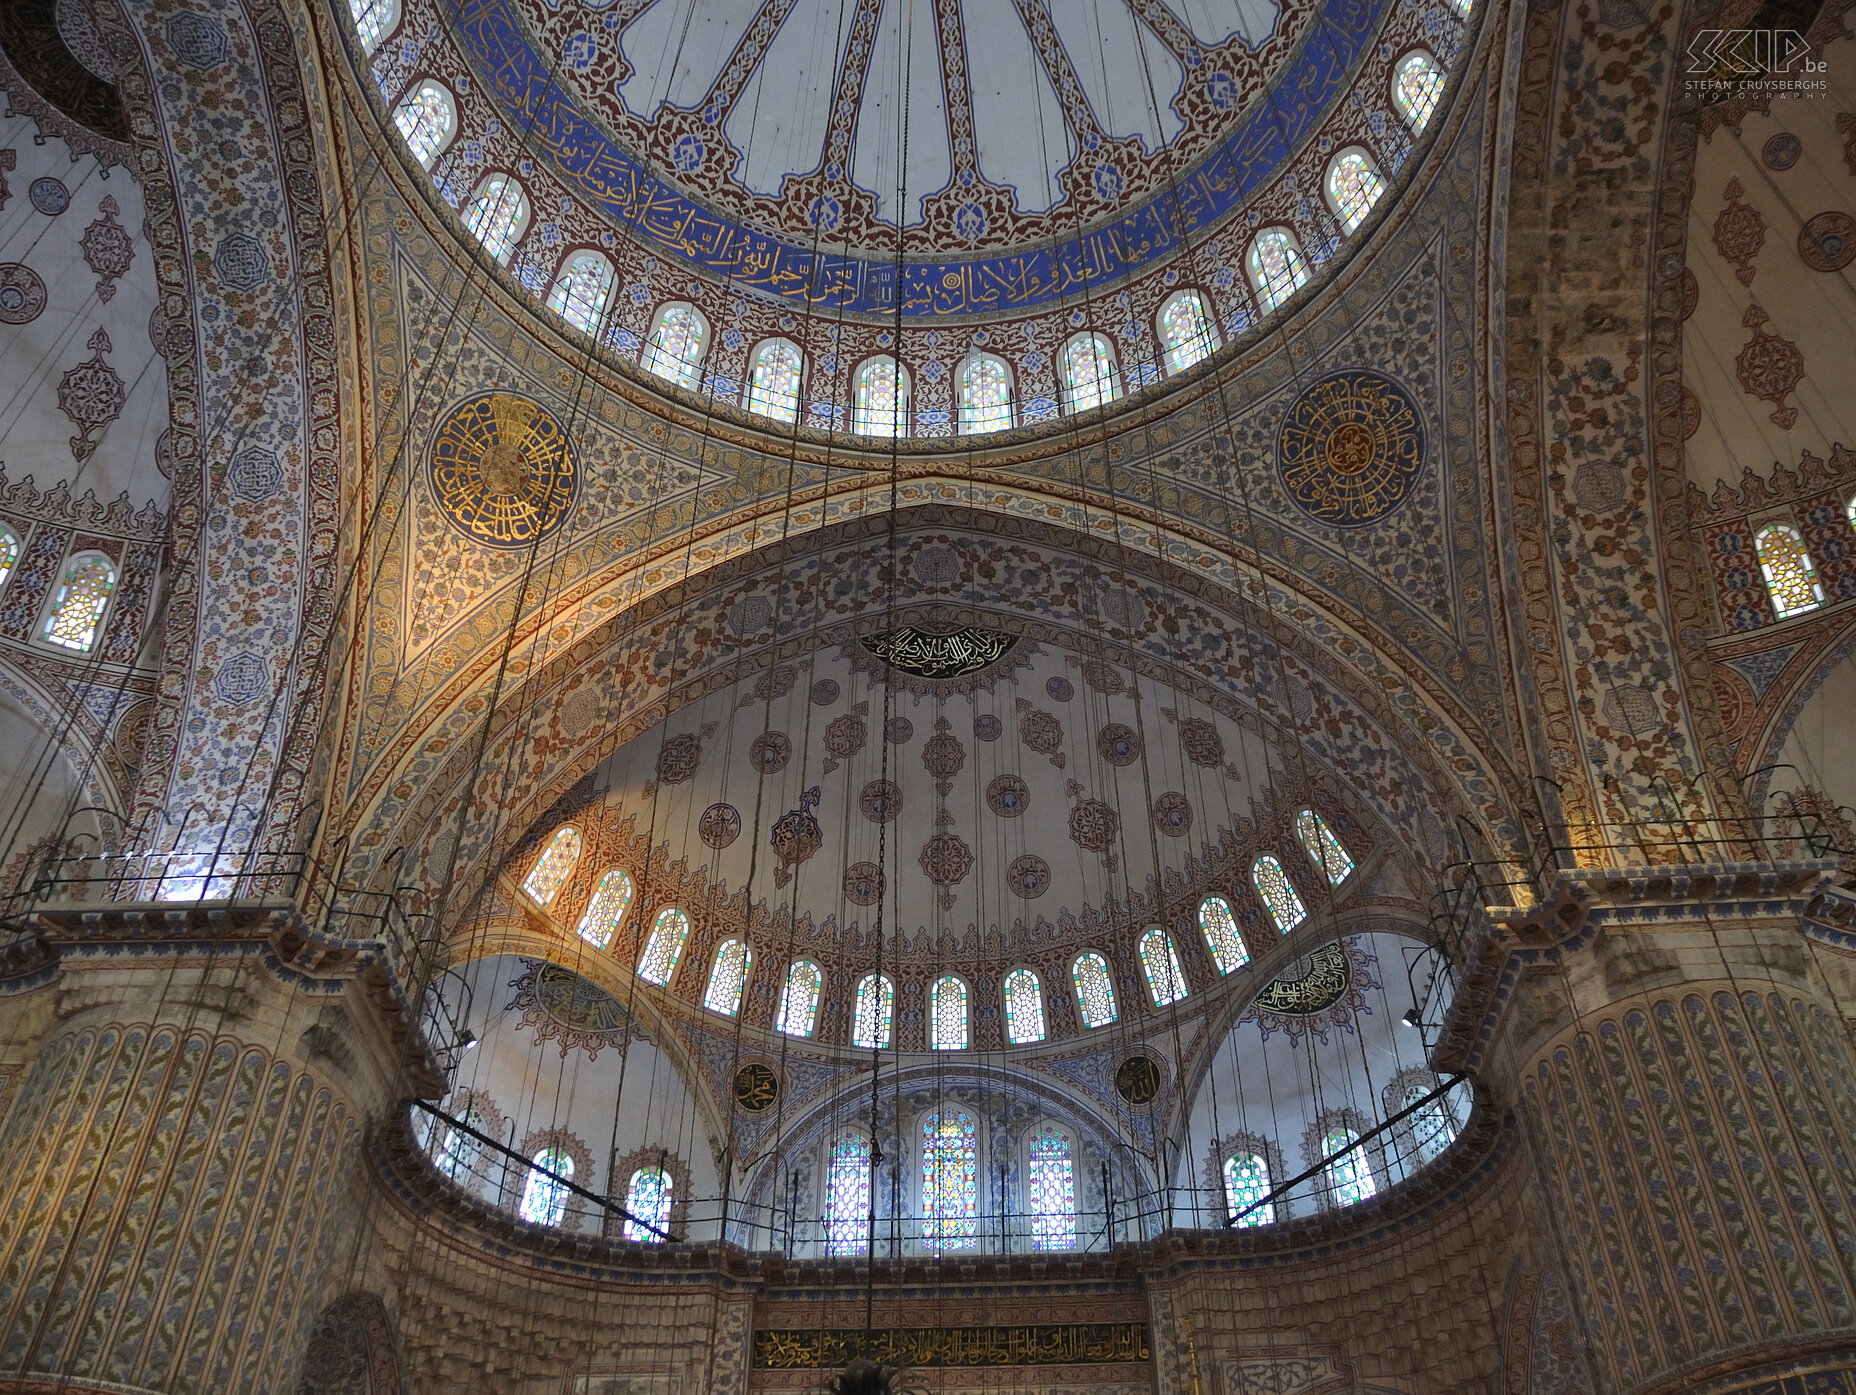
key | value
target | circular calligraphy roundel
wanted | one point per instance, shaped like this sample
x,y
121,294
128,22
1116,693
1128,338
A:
x,y
502,470
1351,447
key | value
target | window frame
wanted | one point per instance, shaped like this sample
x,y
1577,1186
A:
x,y
1073,1154
966,1013
818,996
59,590
974,358
1320,858
1772,523
19,550
755,354
648,345
612,928
1237,928
1082,1008
905,398
572,866
1266,303
562,1167
1413,127
1115,389
1178,969
870,1196
413,87
603,316
715,968
1294,890
676,958
382,32
1214,340
518,230
1327,187
1005,1004
886,988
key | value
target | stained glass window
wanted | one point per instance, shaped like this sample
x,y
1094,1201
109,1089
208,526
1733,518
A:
x,y
1052,1191
606,909
1350,1176
847,1195
426,118
1088,372
1095,989
949,1011
674,350
1276,266
580,291
1221,936
876,1002
1417,83
1432,1128
1791,580
648,1199
77,608
544,1198
9,554
773,386
1463,7
985,395
553,866
950,1181
373,20
1247,1182
799,1001
458,1151
661,951
1186,331
1324,849
1160,961
497,215
881,406
1024,1007
1278,893
1354,186
733,958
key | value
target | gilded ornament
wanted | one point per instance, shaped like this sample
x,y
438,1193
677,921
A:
x,y
1313,985
924,654
756,1087
1351,447
501,470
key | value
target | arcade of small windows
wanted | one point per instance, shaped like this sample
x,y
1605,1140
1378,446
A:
x,y
674,349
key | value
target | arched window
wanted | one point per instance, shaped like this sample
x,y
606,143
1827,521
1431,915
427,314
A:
x,y
553,866
674,350
948,1014
847,1195
1791,580
1024,1007
648,1199
985,395
1353,186
799,1002
1051,1191
458,1151
1322,847
1463,7
498,215
1417,83
1246,1183
662,950
9,554
1278,893
876,1003
1186,331
880,399
1433,1128
1349,1176
426,117
773,382
581,290
1160,962
83,594
1277,268
950,1181
733,958
544,1198
1221,936
1088,372
606,908
374,20
1095,989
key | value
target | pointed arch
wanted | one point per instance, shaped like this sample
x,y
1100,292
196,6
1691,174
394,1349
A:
x,y
1324,849
1278,893
728,976
876,1004
799,1001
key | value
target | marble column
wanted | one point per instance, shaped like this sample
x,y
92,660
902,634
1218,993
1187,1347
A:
x,y
1676,1056
177,1157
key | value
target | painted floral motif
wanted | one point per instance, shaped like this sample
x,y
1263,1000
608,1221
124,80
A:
x,y
845,734
1094,826
943,755
946,859
1200,740
769,752
1739,233
92,396
1041,731
1827,242
678,758
107,248
1769,367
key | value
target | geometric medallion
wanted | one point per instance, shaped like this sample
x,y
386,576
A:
x,y
1351,447
501,470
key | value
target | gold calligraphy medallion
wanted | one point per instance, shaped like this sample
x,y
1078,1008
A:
x,y
1351,447
501,469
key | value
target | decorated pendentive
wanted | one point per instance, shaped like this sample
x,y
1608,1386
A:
x,y
501,470
1351,447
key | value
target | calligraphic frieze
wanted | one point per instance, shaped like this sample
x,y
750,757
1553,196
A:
x,y
1054,1344
925,654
